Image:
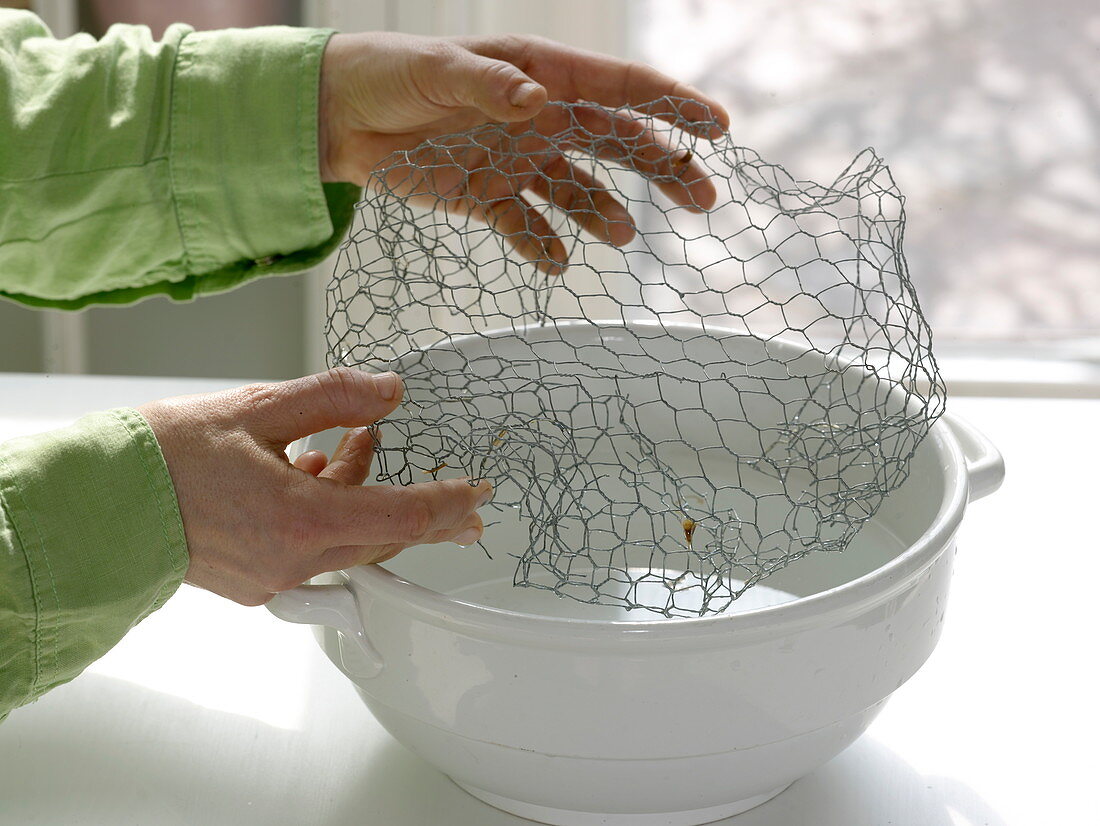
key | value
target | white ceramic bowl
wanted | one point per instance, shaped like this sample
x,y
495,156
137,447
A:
x,y
574,714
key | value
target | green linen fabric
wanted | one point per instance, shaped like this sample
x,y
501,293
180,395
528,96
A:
x,y
94,543
131,168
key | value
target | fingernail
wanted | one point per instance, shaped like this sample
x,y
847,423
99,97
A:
x,y
484,499
371,432
468,537
522,94
387,385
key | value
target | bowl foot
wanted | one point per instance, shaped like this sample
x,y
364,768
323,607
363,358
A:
x,y
567,817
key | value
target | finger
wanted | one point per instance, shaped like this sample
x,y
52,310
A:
x,y
629,141
352,459
312,462
585,201
341,397
688,109
614,82
457,77
381,514
348,556
526,231
575,74
467,533
387,553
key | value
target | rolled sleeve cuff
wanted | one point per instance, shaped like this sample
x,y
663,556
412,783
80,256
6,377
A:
x,y
99,542
244,161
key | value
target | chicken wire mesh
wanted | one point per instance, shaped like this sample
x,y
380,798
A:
x,y
668,419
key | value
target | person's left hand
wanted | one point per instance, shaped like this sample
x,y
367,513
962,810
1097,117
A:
x,y
255,524
387,92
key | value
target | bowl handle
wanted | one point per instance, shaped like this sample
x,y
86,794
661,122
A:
x,y
334,606
984,463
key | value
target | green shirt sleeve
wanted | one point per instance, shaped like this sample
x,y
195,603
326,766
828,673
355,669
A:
x,y
91,542
130,167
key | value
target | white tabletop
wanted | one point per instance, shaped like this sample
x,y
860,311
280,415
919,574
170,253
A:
x,y
213,713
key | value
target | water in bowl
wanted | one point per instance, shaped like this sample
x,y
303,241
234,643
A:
x,y
484,575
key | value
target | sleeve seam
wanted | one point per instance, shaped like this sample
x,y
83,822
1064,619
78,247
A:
x,y
41,626
309,164
90,171
174,116
143,442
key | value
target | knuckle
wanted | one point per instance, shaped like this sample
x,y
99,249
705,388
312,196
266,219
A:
x,y
498,73
438,55
341,382
270,581
510,42
257,397
638,70
519,46
341,387
416,521
299,485
558,168
340,557
576,200
276,578
285,582
293,518
388,552
300,532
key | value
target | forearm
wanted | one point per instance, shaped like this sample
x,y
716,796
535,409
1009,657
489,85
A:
x,y
91,541
130,168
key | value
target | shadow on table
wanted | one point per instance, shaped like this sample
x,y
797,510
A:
x,y
61,765
867,785
60,768
870,785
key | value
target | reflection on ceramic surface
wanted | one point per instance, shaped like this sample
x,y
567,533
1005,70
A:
x,y
114,767
577,714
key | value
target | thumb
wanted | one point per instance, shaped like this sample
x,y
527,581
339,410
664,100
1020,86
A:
x,y
497,88
341,397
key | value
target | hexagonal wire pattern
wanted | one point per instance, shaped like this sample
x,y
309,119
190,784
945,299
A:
x,y
671,420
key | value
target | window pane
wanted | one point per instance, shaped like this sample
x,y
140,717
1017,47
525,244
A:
x,y
987,112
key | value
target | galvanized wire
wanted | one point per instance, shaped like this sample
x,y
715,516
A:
x,y
672,420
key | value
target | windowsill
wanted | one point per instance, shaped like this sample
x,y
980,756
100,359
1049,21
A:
x,y
1020,371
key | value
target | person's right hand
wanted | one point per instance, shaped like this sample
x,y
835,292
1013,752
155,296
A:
x,y
386,92
256,524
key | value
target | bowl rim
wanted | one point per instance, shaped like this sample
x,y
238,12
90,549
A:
x,y
854,596
374,582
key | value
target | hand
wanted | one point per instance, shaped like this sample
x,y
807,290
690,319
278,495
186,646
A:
x,y
385,92
256,524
